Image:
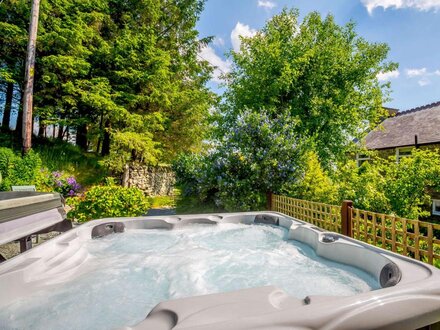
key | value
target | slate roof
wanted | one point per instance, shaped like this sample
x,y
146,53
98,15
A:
x,y
400,130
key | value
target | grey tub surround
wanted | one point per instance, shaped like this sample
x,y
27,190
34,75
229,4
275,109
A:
x,y
409,298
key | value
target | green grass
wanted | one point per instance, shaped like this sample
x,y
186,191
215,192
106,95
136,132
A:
x,y
63,156
59,155
158,202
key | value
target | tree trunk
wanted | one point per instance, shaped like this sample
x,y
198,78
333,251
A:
x,y
106,140
60,132
81,136
41,129
29,77
98,146
8,106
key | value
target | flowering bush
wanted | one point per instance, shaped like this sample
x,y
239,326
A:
x,y
67,186
258,154
60,182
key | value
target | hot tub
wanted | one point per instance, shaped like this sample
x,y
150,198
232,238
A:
x,y
77,280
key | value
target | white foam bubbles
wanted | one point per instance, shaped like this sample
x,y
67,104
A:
x,y
130,273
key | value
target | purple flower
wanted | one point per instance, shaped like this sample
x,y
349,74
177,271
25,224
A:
x,y
56,174
76,186
71,193
59,183
71,180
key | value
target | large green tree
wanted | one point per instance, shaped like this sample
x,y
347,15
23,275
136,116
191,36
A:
x,y
297,96
123,74
320,73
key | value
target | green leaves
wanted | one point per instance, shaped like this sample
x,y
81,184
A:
x,y
382,185
130,64
17,170
108,201
257,155
321,73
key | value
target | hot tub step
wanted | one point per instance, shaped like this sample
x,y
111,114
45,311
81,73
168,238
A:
x,y
63,268
64,253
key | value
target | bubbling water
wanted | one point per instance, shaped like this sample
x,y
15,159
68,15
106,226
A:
x,y
129,273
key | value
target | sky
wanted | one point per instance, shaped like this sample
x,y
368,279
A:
x,y
410,27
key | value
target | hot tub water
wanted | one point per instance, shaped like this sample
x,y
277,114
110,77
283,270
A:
x,y
128,274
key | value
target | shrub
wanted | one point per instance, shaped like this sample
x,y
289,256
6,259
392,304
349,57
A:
x,y
410,182
315,183
16,170
257,155
60,182
108,201
189,169
384,186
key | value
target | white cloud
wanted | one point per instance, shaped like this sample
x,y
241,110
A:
x,y
423,75
415,72
240,30
423,5
218,41
388,75
424,81
266,4
220,66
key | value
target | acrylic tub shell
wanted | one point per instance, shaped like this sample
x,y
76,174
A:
x,y
409,298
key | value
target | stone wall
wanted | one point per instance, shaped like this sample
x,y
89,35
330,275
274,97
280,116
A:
x,y
153,180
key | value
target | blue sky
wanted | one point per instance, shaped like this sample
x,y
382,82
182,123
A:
x,y
410,27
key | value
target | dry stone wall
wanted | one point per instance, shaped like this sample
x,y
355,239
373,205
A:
x,y
153,180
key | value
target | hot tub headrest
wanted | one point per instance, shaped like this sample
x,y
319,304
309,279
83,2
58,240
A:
x,y
390,275
267,219
107,229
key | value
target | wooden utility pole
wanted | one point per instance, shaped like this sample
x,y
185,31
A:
x,y
29,78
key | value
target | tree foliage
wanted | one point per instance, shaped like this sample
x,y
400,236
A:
x,y
124,74
320,73
314,184
382,185
296,88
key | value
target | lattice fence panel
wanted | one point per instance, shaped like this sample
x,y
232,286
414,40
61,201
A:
x,y
322,215
417,239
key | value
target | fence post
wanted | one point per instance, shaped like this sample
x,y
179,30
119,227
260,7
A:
x,y
346,218
269,200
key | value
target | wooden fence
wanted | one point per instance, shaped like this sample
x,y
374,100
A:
x,y
417,239
325,216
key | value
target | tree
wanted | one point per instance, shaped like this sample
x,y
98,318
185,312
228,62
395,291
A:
x,y
320,73
314,184
124,74
154,70
28,91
